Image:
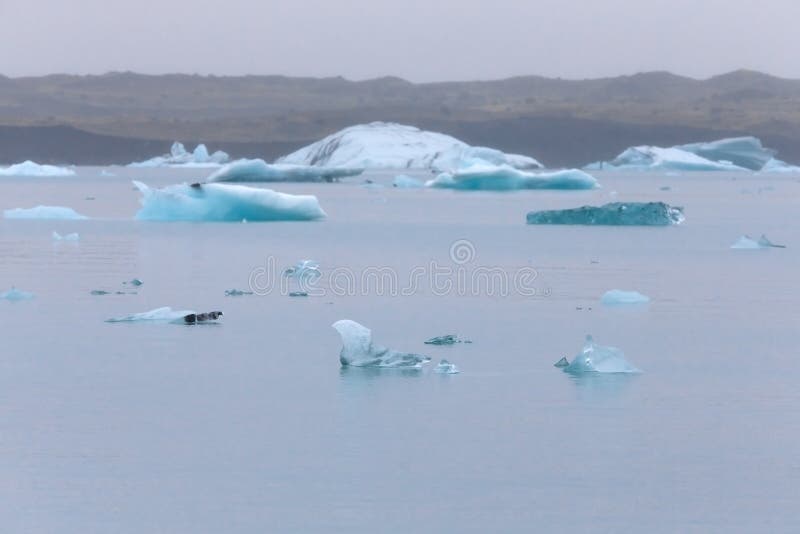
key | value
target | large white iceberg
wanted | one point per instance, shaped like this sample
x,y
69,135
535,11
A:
x,y
598,359
734,154
257,170
44,212
224,202
359,351
30,168
612,214
486,177
381,145
179,156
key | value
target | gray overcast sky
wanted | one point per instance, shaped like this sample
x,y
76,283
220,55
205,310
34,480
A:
x,y
420,40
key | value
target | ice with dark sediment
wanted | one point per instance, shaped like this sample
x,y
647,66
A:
x,y
613,214
358,350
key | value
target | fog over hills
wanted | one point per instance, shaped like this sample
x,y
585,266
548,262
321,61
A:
x,y
121,117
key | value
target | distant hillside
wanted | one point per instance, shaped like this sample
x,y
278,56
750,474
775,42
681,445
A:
x,y
124,116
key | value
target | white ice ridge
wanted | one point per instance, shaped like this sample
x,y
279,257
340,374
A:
x,y
179,157
486,177
734,154
616,297
30,168
598,359
224,202
44,212
359,351
257,170
382,145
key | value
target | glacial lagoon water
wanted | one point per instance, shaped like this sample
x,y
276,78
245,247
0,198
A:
x,y
251,425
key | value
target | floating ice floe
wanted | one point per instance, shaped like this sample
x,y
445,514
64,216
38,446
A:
x,y
359,351
617,297
179,157
735,154
597,359
381,145
224,202
257,170
407,182
448,339
237,292
776,165
446,368
615,214
44,212
168,315
135,282
15,294
31,168
67,237
747,242
483,177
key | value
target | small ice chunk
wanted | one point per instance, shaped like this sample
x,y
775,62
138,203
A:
x,y
359,351
614,214
237,292
15,294
407,182
135,282
98,292
44,212
599,359
303,269
616,297
449,339
298,294
748,243
68,237
446,368
563,362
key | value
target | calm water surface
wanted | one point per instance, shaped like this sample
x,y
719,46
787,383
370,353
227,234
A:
x,y
251,425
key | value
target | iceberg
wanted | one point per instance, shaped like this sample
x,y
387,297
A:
x,y
448,339
179,157
614,214
382,145
446,368
237,292
67,237
482,177
44,212
407,182
30,168
598,359
617,297
303,270
742,152
257,170
747,242
776,165
15,294
168,315
359,351
735,154
224,202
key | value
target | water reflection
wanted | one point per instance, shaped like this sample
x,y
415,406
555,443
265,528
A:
x,y
594,387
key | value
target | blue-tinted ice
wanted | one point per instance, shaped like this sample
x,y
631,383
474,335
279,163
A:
x,y
359,351
614,214
598,359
